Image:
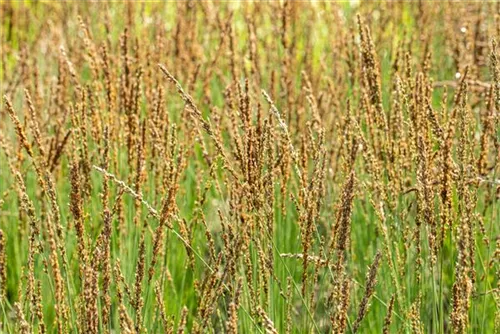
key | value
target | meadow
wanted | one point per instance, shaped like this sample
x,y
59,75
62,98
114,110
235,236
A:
x,y
250,167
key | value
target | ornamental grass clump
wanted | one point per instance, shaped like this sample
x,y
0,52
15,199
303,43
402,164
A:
x,y
247,167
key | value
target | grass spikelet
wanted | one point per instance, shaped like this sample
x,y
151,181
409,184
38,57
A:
x,y
23,139
371,281
268,323
182,323
388,317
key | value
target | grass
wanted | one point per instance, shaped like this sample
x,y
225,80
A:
x,y
223,167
